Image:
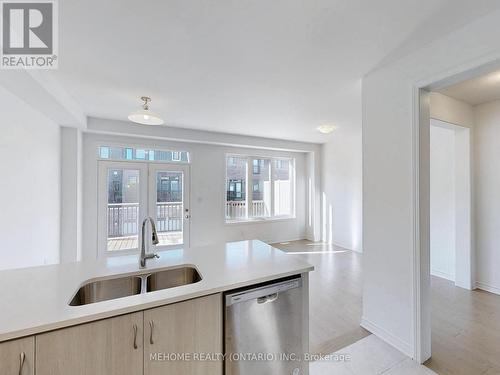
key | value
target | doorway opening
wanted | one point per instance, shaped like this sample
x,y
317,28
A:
x,y
457,287
128,192
450,202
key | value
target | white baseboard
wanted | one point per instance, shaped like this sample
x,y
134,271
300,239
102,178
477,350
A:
x,y
442,275
487,287
388,337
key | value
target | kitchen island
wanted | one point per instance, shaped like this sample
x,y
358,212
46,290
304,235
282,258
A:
x,y
37,320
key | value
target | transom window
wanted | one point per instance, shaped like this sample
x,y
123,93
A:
x,y
130,153
259,188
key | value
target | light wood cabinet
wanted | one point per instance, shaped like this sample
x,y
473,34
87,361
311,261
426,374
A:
x,y
123,345
105,347
17,357
188,327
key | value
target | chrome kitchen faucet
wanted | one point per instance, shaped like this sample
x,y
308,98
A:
x,y
154,239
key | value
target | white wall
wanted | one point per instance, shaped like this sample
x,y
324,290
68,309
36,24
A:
x,y
389,180
458,117
29,191
442,200
451,110
71,194
313,200
341,189
207,193
487,183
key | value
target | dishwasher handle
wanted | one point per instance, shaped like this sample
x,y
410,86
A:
x,y
268,293
270,298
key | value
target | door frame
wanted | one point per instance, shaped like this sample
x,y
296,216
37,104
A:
x,y
186,210
102,202
146,192
420,213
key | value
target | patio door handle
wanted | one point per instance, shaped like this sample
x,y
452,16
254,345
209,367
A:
x,y
187,215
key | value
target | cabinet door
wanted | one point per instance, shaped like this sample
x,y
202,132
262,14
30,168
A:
x,y
191,328
17,357
106,347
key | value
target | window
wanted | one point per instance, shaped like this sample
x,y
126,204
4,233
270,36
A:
x,y
256,166
270,193
236,177
260,205
283,187
122,208
129,153
104,152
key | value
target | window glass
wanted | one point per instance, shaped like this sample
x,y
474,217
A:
x,y
129,153
122,209
104,152
261,195
270,191
140,154
169,207
236,175
283,185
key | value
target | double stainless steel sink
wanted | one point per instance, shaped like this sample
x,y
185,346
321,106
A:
x,y
123,286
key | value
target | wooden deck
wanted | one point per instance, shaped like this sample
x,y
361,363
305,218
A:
x,y
131,242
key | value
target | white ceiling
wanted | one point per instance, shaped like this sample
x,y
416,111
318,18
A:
x,y
479,90
273,68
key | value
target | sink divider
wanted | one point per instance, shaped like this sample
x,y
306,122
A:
x,y
144,283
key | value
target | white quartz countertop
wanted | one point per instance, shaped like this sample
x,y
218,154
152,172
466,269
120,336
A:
x,y
34,300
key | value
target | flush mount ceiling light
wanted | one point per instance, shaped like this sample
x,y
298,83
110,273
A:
x,y
326,129
145,116
494,77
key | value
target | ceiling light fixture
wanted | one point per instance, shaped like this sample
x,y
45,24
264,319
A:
x,y
145,116
494,77
326,129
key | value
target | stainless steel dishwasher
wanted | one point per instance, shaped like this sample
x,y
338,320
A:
x,y
264,330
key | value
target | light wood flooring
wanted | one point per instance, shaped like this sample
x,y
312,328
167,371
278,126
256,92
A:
x,y
465,330
465,324
132,242
335,294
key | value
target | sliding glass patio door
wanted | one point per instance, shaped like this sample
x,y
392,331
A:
x,y
128,192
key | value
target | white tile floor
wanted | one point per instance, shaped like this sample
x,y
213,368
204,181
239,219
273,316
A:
x,y
369,356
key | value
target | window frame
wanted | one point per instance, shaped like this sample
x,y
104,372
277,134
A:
x,y
134,147
249,188
147,189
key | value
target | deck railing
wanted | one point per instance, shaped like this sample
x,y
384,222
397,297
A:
x,y
237,209
169,217
123,218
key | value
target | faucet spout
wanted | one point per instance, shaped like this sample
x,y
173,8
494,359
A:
x,y
154,240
